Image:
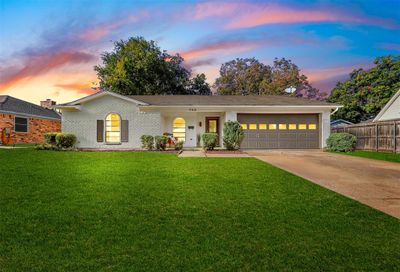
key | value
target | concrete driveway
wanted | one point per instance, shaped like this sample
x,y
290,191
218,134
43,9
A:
x,y
372,182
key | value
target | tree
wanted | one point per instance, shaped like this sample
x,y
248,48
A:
x,y
137,66
365,93
199,86
249,76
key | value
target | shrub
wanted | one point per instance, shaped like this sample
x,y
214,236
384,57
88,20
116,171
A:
x,y
161,142
179,145
50,138
341,142
210,140
45,146
65,140
147,142
233,135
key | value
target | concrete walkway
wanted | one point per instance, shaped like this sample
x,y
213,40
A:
x,y
201,153
372,182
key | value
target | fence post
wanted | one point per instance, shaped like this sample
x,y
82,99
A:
x,y
376,138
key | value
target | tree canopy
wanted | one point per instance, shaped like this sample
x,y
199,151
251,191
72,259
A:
x,y
250,76
138,66
366,92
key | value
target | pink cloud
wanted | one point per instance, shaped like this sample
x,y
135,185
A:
x,y
246,15
390,46
99,31
41,64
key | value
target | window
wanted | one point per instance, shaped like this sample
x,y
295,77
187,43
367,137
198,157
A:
x,y
282,126
292,126
312,126
302,126
272,126
253,126
179,129
21,124
244,126
113,128
262,126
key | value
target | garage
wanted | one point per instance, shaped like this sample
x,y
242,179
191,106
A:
x,y
280,131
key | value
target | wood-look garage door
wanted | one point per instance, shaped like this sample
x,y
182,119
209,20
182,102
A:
x,y
271,131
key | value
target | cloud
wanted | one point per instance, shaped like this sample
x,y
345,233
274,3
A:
x,y
326,78
198,63
40,64
81,88
247,15
390,46
99,31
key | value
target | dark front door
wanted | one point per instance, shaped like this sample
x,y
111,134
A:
x,y
212,125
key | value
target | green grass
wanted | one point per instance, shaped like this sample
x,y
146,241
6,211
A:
x,y
77,211
392,157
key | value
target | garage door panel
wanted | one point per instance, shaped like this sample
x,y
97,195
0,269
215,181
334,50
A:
x,y
300,135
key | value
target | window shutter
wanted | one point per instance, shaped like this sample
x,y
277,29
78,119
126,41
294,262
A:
x,y
124,131
100,131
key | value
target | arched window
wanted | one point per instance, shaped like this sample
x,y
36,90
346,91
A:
x,y
113,128
179,129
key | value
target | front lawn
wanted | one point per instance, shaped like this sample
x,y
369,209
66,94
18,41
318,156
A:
x,y
393,157
89,211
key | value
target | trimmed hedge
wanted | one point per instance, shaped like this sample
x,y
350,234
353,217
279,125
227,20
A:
x,y
341,142
210,140
233,135
65,140
50,138
161,142
147,142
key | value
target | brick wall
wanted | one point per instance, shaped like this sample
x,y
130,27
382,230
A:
x,y
36,128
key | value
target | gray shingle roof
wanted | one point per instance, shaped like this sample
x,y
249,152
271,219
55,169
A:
x,y
15,105
227,100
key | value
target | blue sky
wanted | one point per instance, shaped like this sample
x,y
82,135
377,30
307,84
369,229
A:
x,y
48,48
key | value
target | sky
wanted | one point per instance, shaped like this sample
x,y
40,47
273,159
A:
x,y
48,48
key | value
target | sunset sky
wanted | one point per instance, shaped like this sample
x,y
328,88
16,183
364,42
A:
x,y
48,48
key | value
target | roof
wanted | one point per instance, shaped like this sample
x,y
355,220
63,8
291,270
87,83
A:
x,y
17,106
227,100
204,100
338,121
387,106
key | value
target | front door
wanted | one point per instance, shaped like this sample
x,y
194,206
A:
x,y
212,125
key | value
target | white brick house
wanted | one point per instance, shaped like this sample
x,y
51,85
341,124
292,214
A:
x,y
109,120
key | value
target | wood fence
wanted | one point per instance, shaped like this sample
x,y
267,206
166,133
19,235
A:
x,y
378,136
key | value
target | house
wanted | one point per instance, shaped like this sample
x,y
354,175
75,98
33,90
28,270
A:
x,y
24,122
391,111
109,120
340,123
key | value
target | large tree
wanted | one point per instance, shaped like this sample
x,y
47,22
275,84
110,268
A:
x,y
366,91
138,66
249,76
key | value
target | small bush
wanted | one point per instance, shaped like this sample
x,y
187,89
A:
x,y
161,142
210,140
65,140
233,135
341,142
147,142
179,145
50,138
45,146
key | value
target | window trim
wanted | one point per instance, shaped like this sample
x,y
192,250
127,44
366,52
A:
x,y
105,129
27,124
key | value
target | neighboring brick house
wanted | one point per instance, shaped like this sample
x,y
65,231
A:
x,y
26,122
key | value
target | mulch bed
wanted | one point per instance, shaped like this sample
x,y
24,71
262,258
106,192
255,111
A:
x,y
125,150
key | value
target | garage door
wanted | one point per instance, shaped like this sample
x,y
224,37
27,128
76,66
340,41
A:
x,y
271,131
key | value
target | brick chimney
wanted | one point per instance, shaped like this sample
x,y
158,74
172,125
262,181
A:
x,y
48,104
